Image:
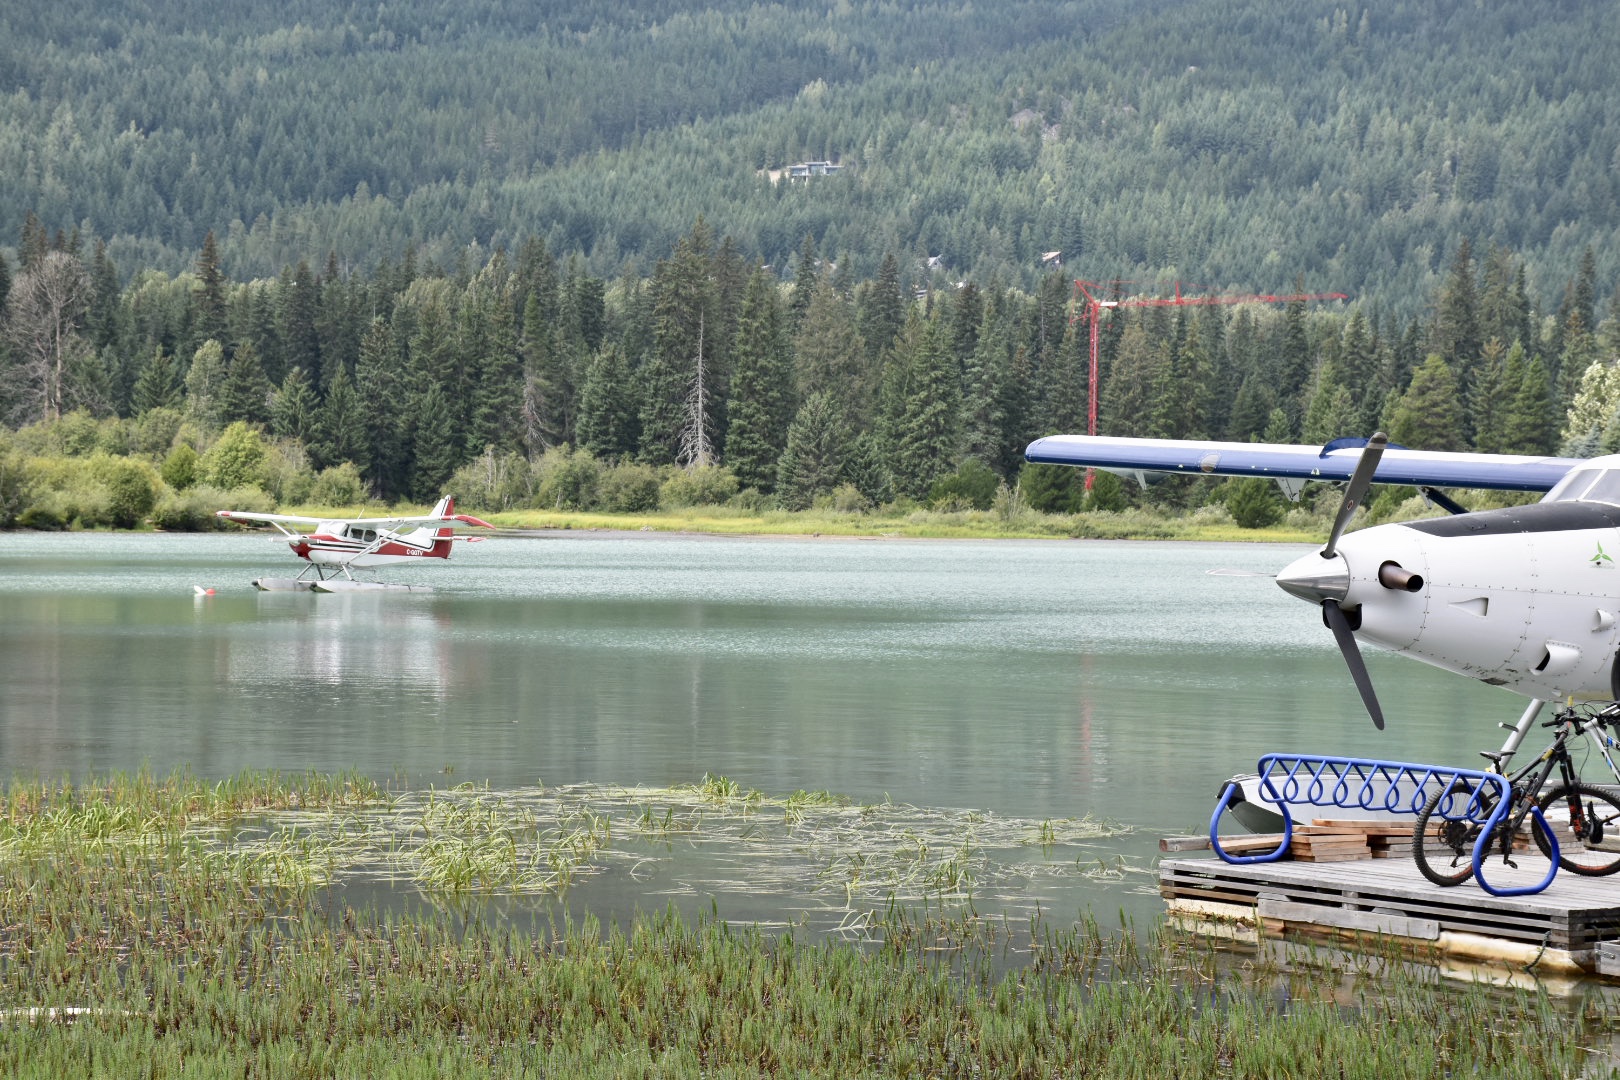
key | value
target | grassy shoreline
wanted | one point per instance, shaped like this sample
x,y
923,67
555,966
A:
x,y
915,524
124,953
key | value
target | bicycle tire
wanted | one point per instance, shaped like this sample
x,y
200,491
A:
x,y
1444,852
1595,817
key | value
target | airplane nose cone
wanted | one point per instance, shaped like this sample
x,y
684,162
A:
x,y
1315,579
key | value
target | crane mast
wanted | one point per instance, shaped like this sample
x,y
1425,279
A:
x,y
1090,303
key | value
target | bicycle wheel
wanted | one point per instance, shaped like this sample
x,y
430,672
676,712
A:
x,y
1443,847
1586,820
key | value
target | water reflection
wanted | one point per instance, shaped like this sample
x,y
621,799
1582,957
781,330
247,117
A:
x,y
1040,680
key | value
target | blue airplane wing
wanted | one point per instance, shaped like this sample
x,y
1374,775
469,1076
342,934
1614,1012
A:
x,y
1332,463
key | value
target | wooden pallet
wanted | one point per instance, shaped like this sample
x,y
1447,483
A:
x,y
1565,924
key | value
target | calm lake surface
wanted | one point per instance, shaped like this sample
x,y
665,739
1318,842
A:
x,y
1023,681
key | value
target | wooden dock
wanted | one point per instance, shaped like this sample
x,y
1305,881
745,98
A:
x,y
1572,926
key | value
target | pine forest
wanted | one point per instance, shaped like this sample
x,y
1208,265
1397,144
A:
x,y
679,252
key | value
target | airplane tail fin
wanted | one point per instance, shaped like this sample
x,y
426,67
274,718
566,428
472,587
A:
x,y
441,544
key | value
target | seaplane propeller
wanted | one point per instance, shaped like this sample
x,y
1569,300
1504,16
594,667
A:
x,y
1324,578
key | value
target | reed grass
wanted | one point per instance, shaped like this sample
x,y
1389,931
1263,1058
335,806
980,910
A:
x,y
204,949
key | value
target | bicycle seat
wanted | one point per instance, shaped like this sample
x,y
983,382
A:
x,y
1496,757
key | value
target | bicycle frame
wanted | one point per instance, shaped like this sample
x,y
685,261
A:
x,y
1524,793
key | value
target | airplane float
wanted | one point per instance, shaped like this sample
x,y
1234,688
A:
x,y
1525,598
335,548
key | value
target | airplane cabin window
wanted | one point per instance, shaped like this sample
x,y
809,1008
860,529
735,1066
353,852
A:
x,y
1573,486
1606,489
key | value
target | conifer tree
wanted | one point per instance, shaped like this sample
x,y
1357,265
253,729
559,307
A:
x,y
1531,424
829,355
1456,335
1134,378
881,310
338,325
806,273
547,388
1294,364
437,446
292,411
297,301
208,298
812,461
494,386
32,245
760,407
101,315
1250,409
928,432
683,301
1504,312
1066,385
340,428
158,385
983,418
246,392
381,386
1360,374
1489,408
608,408
1331,414
1429,415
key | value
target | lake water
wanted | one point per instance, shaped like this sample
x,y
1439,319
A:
x,y
1023,682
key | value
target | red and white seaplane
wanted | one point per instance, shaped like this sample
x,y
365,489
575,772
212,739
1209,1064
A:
x,y
335,548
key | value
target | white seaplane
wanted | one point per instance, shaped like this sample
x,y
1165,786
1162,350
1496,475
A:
x,y
335,548
1524,598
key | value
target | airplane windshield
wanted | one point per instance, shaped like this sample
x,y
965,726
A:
x,y
1588,485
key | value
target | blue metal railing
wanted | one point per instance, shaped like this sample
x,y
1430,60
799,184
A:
x,y
1389,786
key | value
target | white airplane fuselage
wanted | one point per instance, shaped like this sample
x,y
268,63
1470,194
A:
x,y
338,544
1524,598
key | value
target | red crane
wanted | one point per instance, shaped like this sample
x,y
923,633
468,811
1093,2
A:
x,y
1092,306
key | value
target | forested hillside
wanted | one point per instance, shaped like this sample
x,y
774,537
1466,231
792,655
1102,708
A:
x,y
326,254
1228,142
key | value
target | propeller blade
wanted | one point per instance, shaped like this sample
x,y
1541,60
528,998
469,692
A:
x,y
1360,481
1339,622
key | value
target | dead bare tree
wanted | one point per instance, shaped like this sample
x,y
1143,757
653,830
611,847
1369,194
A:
x,y
43,312
696,450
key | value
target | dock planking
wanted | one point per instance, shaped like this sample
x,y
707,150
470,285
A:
x,y
1563,926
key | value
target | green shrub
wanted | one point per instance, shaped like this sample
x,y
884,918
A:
x,y
236,460
707,485
131,487
568,479
14,486
193,510
1053,489
287,474
84,505
494,482
1107,491
847,499
155,430
972,486
339,485
1253,503
180,467
750,500
629,488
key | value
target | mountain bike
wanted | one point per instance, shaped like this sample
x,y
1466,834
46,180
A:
x,y
1584,818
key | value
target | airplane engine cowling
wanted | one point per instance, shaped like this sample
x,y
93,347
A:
x,y
1501,600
